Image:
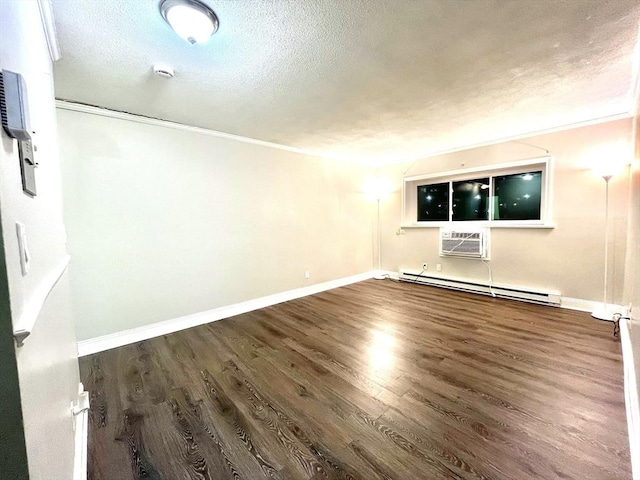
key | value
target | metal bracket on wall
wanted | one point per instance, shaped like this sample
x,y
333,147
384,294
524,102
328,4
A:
x,y
20,336
27,167
25,324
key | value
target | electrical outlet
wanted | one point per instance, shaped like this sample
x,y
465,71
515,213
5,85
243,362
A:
x,y
439,267
400,231
306,274
425,265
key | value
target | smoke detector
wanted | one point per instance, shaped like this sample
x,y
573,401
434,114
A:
x,y
163,70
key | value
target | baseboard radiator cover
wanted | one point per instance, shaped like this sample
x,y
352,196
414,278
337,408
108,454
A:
x,y
503,291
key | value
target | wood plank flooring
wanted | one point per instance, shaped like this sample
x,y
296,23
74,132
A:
x,y
377,380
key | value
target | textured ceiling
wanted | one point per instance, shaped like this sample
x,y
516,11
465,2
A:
x,y
359,79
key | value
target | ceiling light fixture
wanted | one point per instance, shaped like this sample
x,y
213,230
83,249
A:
x,y
190,19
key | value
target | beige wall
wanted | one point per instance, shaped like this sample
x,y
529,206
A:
x,y
569,258
632,270
164,222
47,363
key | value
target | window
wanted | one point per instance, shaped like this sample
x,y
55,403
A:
x,y
433,202
471,200
513,195
517,197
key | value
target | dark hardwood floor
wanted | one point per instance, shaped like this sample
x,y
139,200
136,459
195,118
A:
x,y
374,380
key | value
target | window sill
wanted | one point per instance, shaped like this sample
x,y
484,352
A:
x,y
462,225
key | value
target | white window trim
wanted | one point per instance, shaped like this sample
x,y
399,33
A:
x,y
409,200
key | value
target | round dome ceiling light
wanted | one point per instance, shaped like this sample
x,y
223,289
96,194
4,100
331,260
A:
x,y
190,19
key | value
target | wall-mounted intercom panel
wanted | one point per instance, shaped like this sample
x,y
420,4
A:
x,y
14,109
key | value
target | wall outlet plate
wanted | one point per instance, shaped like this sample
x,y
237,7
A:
x,y
27,167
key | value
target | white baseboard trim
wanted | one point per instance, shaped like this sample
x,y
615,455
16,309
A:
x,y
388,273
631,394
80,411
579,304
126,337
589,306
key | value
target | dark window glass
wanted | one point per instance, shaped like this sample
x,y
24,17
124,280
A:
x,y
471,200
517,197
433,202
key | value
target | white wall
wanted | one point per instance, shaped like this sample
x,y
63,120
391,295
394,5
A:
x,y
47,363
164,222
569,258
632,270
631,348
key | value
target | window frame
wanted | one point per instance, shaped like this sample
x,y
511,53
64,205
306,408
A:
x,y
410,200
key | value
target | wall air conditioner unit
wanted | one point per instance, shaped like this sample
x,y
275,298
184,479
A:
x,y
464,243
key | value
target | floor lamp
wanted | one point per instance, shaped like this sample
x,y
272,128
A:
x,y
379,275
606,171
377,188
604,313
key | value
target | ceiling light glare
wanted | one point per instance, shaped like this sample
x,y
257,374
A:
x,y
190,19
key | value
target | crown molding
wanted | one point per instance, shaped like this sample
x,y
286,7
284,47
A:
x,y
49,27
131,117
514,138
106,112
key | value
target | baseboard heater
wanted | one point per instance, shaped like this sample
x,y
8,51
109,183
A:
x,y
502,291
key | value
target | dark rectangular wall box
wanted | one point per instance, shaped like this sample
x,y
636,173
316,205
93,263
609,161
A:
x,y
14,109
14,106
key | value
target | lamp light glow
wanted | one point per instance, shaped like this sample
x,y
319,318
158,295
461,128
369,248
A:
x,y
377,187
610,159
190,19
381,351
608,169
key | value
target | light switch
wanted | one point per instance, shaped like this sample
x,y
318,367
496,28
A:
x,y
25,258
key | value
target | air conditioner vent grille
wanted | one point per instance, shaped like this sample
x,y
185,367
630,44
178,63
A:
x,y
465,235
3,104
450,247
460,243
